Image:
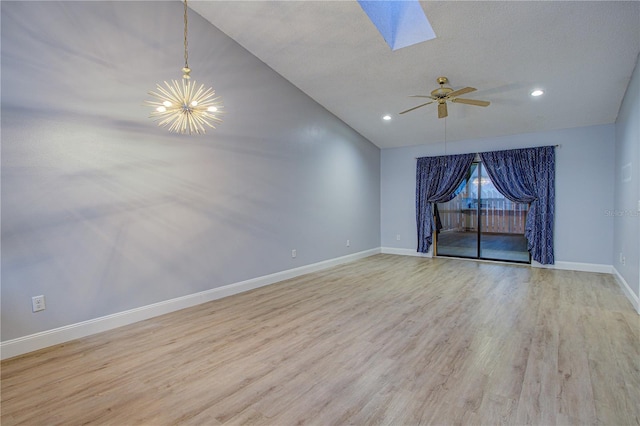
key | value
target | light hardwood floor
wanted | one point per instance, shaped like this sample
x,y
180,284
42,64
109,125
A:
x,y
385,340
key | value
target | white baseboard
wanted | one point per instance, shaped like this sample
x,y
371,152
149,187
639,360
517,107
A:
x,y
33,342
633,298
405,252
576,266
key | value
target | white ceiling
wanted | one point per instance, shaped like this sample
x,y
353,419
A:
x,y
581,53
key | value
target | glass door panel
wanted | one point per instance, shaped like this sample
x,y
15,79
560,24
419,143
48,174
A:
x,y
480,223
501,225
459,233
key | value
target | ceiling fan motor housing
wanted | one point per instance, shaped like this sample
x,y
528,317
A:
x,y
441,92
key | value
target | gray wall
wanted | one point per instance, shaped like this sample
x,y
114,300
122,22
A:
x,y
584,189
102,211
627,194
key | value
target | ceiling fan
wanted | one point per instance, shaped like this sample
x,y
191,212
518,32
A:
x,y
443,94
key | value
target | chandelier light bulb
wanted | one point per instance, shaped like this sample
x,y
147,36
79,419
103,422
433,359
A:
x,y
191,109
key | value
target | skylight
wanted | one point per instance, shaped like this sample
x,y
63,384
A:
x,y
401,23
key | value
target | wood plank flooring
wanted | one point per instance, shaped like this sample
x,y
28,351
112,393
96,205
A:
x,y
385,340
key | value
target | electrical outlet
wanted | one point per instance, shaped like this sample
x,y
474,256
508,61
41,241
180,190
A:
x,y
37,303
348,243
293,253
622,259
398,237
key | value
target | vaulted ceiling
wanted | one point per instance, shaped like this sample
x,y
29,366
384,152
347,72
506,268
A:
x,y
581,53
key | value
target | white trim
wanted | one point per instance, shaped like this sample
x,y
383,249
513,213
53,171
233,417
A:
x,y
22,345
576,266
635,301
405,252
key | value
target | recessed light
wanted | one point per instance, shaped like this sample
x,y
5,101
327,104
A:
x,y
386,117
537,92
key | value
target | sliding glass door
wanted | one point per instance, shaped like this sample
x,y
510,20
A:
x,y
481,223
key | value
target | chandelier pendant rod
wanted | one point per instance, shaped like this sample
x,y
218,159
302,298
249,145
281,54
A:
x,y
186,70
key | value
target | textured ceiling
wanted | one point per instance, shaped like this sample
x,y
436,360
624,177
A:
x,y
581,53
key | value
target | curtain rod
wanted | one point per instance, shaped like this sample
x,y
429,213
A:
x,y
557,146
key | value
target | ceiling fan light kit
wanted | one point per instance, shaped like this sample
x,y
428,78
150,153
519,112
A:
x,y
444,94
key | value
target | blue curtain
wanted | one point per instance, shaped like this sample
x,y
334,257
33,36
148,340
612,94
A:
x,y
438,180
528,176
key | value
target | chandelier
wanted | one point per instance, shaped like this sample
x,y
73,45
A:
x,y
183,107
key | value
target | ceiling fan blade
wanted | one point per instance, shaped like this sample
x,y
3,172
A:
x,y
461,92
419,106
442,110
471,102
421,96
